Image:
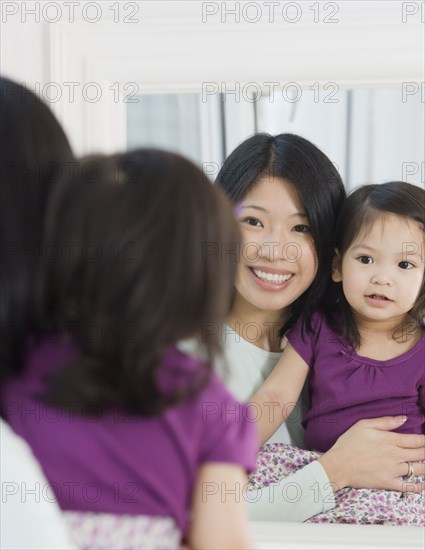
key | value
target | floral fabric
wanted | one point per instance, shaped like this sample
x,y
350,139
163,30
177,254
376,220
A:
x,y
95,531
355,506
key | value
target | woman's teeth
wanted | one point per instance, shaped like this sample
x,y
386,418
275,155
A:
x,y
272,277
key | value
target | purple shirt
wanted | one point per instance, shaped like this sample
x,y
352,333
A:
x,y
122,464
346,387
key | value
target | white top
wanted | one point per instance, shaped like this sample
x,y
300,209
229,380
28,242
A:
x,y
247,367
30,517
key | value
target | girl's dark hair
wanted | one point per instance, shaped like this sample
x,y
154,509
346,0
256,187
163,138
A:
x,y
318,185
34,153
360,211
143,262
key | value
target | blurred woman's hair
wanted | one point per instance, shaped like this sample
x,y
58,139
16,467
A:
x,y
34,154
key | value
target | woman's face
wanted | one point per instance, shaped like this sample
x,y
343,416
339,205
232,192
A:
x,y
278,261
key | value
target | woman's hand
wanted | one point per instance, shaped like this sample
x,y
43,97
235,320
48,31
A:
x,y
370,456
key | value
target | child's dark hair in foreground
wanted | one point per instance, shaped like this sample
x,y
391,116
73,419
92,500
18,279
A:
x,y
136,274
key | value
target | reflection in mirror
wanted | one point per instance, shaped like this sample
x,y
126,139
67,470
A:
x,y
181,123
372,136
168,121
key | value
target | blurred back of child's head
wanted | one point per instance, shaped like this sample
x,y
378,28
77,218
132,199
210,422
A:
x,y
139,261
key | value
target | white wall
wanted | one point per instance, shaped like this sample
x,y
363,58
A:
x,y
24,46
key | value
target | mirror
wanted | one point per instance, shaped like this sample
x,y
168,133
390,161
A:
x,y
371,135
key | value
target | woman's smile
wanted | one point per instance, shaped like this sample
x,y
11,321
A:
x,y
271,279
279,261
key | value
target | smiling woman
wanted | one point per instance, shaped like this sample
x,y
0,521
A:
x,y
288,194
279,263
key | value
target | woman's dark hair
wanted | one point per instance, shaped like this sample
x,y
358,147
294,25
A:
x,y
34,153
318,185
362,208
141,264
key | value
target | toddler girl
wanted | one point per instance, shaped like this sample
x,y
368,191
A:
x,y
364,350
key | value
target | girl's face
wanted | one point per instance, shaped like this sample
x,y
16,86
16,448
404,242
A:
x,y
383,269
278,261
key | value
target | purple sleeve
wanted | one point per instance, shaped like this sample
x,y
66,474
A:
x,y
230,434
302,340
421,386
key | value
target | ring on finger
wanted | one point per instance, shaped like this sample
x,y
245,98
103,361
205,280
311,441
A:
x,y
411,472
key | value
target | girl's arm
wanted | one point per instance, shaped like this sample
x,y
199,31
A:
x,y
279,393
219,518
